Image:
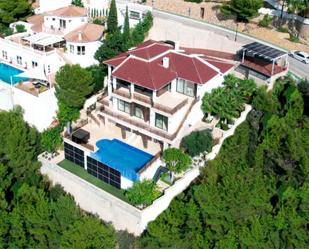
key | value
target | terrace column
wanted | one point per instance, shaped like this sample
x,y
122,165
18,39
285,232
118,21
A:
x,y
109,73
152,117
154,96
132,90
114,83
272,68
173,85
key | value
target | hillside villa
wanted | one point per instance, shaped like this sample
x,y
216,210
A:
x,y
154,93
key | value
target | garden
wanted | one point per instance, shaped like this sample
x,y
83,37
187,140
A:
x,y
229,101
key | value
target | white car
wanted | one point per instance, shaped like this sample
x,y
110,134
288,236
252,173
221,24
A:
x,y
301,56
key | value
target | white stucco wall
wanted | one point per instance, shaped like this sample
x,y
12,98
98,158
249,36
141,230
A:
x,y
38,111
84,60
150,172
53,23
50,61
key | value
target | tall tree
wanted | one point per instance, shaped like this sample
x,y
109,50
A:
x,y
88,233
74,84
78,3
112,21
243,10
126,31
12,11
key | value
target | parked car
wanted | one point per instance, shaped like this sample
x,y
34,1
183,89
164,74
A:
x,y
301,56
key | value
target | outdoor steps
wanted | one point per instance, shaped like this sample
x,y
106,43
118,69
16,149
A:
x,y
95,119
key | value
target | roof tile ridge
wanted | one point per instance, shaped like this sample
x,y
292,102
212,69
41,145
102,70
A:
x,y
172,62
197,71
124,61
208,64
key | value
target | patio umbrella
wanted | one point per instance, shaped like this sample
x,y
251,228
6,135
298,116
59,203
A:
x,y
35,73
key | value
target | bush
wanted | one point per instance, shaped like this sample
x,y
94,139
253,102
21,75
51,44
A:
x,y
197,142
20,28
293,38
194,1
6,31
51,139
266,21
99,21
143,193
283,29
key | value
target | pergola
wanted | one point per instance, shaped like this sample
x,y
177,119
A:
x,y
265,52
44,40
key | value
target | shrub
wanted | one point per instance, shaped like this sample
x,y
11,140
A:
x,y
283,29
143,193
266,21
293,38
51,139
99,21
20,28
194,1
197,142
176,160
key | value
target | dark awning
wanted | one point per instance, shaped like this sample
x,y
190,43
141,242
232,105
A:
x,y
264,50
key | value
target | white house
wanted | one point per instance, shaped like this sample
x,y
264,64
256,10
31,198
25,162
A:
x,y
53,39
154,91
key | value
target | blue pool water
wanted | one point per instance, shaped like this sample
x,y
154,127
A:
x,y
7,71
120,156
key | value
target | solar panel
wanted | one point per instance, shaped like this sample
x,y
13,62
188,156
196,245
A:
x,y
264,50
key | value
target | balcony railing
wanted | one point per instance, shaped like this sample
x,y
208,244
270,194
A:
x,y
147,99
143,98
136,123
123,92
169,109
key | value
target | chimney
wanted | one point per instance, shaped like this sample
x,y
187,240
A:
x,y
177,45
166,62
80,36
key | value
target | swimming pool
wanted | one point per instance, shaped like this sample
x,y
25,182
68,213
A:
x,y
6,71
120,156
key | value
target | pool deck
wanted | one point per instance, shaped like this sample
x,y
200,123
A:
x,y
111,131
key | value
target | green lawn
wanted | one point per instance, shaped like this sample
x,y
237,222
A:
x,y
80,172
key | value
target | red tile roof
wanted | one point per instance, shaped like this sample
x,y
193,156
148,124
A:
x,y
88,32
223,66
139,66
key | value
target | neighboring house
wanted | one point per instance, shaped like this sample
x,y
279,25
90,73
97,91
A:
x,y
100,9
53,39
153,92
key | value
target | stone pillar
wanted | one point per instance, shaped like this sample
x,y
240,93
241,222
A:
x,y
132,90
152,117
173,85
154,96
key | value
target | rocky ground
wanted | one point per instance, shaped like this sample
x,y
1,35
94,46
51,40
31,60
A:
x,y
212,15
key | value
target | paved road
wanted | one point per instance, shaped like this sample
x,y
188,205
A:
x,y
296,66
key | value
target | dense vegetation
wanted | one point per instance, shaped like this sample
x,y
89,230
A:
x,y
227,102
197,142
243,10
34,214
255,194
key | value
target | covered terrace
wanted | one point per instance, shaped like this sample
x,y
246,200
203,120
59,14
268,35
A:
x,y
263,59
44,42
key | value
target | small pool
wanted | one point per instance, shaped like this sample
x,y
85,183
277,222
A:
x,y
120,156
6,71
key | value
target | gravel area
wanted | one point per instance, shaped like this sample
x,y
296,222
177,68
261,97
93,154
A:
x,y
212,15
